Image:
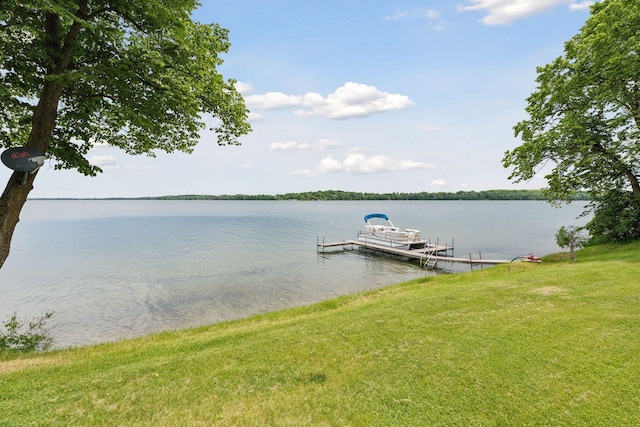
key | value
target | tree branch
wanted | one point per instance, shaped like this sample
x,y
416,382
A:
x,y
126,17
619,165
72,36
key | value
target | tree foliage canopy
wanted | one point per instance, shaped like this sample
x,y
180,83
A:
x,y
584,116
138,75
616,218
135,74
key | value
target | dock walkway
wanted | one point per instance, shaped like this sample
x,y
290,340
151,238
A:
x,y
427,256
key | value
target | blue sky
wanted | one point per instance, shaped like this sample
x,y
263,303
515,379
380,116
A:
x,y
371,96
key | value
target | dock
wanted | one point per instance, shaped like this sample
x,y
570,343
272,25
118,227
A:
x,y
428,256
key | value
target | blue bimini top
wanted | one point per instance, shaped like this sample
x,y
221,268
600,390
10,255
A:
x,y
375,215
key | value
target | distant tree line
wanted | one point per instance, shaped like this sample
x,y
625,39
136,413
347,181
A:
x,y
213,197
351,195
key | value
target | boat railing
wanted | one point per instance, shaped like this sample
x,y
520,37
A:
x,y
407,236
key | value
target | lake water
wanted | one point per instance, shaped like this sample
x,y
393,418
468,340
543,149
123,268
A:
x,y
118,269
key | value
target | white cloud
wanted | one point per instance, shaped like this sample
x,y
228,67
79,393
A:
x,y
414,14
243,87
328,143
430,16
585,5
253,117
358,163
323,144
429,129
104,162
501,12
290,146
438,183
357,100
272,100
350,100
396,16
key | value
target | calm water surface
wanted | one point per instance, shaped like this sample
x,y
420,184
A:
x,y
118,269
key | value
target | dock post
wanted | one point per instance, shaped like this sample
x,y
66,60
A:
x,y
318,245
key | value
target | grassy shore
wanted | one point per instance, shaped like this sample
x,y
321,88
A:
x,y
554,344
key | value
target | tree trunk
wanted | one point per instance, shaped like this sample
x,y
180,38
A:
x,y
20,184
11,203
572,249
633,180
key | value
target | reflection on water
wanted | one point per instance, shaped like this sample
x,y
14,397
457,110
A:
x,y
116,269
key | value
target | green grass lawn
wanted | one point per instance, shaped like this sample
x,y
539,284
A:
x,y
550,344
